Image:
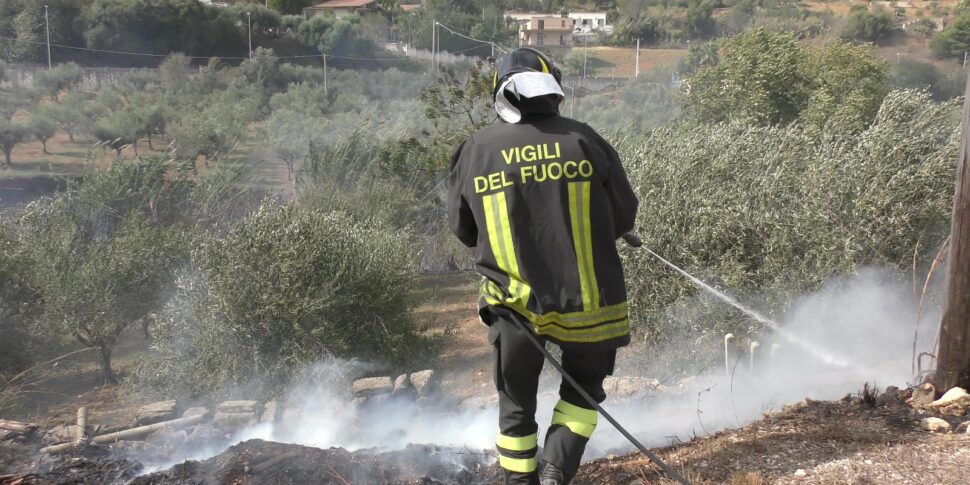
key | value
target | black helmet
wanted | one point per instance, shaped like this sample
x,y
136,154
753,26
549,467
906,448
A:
x,y
523,59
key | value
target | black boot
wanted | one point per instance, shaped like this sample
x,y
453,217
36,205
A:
x,y
551,475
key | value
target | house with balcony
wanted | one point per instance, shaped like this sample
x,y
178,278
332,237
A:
x,y
546,31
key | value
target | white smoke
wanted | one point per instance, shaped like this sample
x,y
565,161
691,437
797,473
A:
x,y
866,320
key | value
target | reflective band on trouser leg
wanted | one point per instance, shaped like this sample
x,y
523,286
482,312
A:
x,y
583,243
579,420
520,465
517,443
500,239
517,453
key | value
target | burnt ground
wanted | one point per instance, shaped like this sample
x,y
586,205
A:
x,y
852,441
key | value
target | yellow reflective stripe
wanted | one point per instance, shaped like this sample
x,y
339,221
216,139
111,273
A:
x,y
521,465
545,68
583,243
579,420
574,319
517,443
598,334
500,238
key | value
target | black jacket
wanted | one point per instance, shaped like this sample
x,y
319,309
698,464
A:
x,y
543,202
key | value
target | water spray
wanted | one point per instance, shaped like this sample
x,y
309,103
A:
x,y
634,241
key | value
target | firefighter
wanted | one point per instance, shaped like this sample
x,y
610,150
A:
x,y
543,199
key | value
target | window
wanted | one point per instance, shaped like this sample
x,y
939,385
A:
x,y
562,39
563,23
542,24
540,38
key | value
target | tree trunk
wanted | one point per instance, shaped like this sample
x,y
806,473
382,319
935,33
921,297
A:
x,y
6,157
953,364
107,374
70,136
135,146
44,143
150,142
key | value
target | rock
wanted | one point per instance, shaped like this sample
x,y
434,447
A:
x,y
955,402
237,407
934,424
402,386
629,386
949,397
955,409
60,434
204,434
233,421
372,386
800,472
423,382
195,411
922,396
167,437
271,413
154,413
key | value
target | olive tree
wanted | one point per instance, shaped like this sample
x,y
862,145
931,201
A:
x,y
100,254
11,134
51,82
42,127
286,287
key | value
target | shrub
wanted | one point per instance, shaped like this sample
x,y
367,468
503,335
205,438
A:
x,y
812,207
282,289
865,26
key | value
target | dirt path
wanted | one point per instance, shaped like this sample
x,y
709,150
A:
x,y
466,354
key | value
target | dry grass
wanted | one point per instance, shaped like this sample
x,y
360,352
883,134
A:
x,y
620,62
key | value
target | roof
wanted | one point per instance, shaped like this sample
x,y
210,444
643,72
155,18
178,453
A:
x,y
344,3
410,8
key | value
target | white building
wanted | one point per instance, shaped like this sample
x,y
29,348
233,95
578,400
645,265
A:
x,y
342,8
580,22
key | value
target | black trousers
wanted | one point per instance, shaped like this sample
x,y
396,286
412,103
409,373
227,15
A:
x,y
518,364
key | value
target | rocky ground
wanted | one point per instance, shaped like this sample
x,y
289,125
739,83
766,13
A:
x,y
866,439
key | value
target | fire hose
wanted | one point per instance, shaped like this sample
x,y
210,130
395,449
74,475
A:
x,y
635,242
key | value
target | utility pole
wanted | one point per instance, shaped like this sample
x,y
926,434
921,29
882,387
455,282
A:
x,y
325,73
434,35
249,28
585,48
637,71
953,362
964,59
47,28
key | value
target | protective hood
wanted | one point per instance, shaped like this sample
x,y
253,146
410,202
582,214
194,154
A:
x,y
520,87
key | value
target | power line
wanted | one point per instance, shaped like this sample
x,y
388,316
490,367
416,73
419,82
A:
x,y
145,54
459,34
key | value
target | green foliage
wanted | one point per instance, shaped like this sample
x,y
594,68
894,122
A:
x,y
865,26
52,81
42,127
11,133
921,75
342,37
812,207
99,255
23,20
757,81
766,78
346,176
700,55
847,82
21,342
954,41
281,290
457,105
290,6
73,114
